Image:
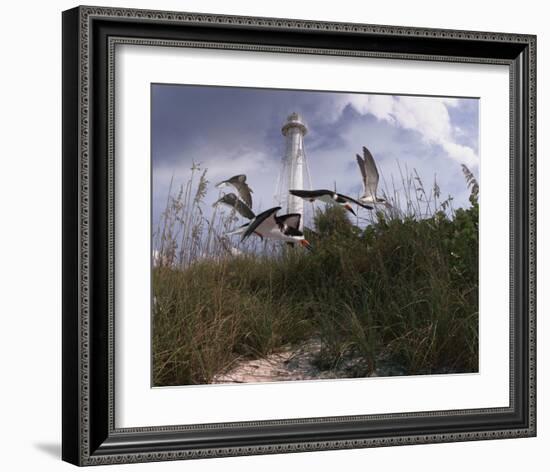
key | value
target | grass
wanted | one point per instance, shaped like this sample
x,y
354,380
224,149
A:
x,y
401,289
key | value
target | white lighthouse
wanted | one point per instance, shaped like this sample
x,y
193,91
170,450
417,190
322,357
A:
x,y
294,170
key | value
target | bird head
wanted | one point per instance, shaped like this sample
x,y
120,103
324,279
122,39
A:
x,y
228,199
385,203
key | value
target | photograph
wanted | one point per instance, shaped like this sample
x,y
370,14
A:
x,y
304,235
291,232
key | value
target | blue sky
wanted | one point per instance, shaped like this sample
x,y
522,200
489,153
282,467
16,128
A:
x,y
238,130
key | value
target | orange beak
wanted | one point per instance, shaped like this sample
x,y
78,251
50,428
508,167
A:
x,y
348,207
305,243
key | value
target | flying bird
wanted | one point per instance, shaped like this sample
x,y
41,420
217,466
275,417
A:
x,y
328,196
292,220
282,228
231,200
239,182
370,175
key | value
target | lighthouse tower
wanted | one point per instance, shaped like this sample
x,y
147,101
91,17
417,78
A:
x,y
294,171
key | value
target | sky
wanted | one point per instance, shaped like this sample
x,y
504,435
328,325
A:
x,y
232,130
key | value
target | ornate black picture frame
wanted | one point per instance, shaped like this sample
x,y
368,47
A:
x,y
90,35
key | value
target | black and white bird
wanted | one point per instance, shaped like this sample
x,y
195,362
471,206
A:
x,y
291,219
239,182
231,200
328,196
281,228
370,175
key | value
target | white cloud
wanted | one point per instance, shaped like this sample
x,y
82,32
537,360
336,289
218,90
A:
x,y
429,116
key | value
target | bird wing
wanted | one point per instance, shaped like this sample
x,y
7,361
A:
x,y
370,173
340,198
290,231
262,224
308,194
292,220
244,210
239,182
361,164
232,200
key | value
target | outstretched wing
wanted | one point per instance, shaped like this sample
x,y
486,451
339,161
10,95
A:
x,y
239,182
340,198
361,164
262,224
369,172
292,220
244,210
232,201
310,194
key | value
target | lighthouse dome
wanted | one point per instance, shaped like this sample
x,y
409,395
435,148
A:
x,y
294,121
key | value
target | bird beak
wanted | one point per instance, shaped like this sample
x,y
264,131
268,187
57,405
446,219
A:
x,y
305,243
349,208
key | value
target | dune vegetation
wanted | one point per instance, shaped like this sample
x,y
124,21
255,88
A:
x,y
400,288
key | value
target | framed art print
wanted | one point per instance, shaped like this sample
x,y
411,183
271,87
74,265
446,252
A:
x,y
285,236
